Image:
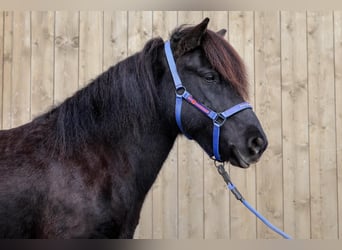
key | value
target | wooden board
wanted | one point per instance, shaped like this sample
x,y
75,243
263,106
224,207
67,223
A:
x,y
7,71
114,37
165,195
295,125
139,32
338,105
91,46
21,69
268,108
42,69
66,54
241,36
216,195
322,131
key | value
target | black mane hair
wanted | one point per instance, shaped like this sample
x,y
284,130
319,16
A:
x,y
100,108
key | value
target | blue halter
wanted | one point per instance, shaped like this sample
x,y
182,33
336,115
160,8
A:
x,y
181,93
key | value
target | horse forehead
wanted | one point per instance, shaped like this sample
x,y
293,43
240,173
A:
x,y
196,59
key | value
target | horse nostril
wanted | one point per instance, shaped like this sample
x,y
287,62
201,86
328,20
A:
x,y
259,141
255,145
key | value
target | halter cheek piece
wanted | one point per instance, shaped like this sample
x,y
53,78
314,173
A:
x,y
181,93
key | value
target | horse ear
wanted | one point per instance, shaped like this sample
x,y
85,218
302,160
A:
x,y
197,32
191,39
221,32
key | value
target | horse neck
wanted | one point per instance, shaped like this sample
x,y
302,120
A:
x,y
117,111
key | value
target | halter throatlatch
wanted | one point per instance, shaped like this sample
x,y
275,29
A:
x,y
181,93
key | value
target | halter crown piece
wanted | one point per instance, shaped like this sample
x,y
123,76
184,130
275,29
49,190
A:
x,y
181,93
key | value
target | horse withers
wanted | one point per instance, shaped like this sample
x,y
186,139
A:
x,y
83,169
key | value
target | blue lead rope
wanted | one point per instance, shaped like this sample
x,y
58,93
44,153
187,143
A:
x,y
238,196
264,220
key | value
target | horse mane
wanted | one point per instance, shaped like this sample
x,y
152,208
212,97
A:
x,y
223,57
101,107
129,87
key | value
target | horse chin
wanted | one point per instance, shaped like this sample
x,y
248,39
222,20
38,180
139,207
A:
x,y
238,160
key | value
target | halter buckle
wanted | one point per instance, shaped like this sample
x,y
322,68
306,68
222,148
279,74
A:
x,y
219,120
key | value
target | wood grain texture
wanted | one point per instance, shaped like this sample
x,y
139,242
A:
x,y
241,37
115,37
7,70
322,125
91,46
322,130
268,108
42,69
165,189
295,125
338,106
21,69
66,54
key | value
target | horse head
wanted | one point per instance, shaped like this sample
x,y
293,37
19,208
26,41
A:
x,y
209,95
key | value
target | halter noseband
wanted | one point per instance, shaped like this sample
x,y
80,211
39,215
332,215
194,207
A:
x,y
181,93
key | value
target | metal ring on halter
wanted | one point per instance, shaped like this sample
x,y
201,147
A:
x,y
180,91
219,120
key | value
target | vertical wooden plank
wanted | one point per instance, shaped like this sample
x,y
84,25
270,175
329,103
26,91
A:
x,y
66,54
216,195
115,37
42,61
295,125
241,36
190,170
165,196
139,32
21,68
91,46
322,125
268,109
1,62
338,106
7,70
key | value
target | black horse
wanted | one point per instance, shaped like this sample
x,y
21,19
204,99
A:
x,y
83,169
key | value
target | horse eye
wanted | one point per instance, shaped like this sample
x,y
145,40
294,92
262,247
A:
x,y
210,78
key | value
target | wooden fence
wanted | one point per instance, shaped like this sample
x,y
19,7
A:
x,y
294,61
